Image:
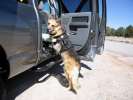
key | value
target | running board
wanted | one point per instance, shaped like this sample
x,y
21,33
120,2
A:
x,y
47,64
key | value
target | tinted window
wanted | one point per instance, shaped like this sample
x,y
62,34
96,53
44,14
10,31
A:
x,y
86,6
100,8
44,6
77,5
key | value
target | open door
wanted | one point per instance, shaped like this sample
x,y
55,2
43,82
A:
x,y
77,26
102,26
81,21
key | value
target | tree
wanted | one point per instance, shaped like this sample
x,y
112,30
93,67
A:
x,y
124,32
120,31
129,31
110,31
113,31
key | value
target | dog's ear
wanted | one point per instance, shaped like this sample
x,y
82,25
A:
x,y
51,17
58,21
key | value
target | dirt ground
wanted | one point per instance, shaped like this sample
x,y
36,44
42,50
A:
x,y
109,77
120,39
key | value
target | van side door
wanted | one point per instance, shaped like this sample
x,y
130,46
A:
x,y
18,34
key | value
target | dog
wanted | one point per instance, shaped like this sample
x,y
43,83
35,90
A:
x,y
63,46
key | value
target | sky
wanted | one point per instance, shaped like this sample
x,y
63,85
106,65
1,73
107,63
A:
x,y
119,13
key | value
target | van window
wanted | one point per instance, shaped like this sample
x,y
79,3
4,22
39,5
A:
x,y
100,8
77,5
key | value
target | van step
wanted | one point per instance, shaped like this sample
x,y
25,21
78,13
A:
x,y
47,64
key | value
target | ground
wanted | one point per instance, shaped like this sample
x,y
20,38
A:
x,y
120,39
109,77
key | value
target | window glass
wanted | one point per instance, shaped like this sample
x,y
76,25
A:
x,y
44,6
100,8
86,6
71,5
77,5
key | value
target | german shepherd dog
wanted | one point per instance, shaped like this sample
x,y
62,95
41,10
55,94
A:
x,y
62,46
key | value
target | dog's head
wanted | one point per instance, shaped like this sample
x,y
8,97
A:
x,y
55,28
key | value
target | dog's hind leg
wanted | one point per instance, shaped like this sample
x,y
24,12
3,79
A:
x,y
75,76
72,77
73,85
69,78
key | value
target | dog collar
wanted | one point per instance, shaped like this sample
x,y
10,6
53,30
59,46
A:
x,y
65,43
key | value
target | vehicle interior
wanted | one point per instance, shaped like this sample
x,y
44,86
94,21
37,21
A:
x,y
84,23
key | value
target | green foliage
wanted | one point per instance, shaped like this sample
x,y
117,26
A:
x,y
129,31
120,31
110,31
124,32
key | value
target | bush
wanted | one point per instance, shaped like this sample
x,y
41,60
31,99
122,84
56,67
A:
x,y
120,32
124,32
129,31
110,31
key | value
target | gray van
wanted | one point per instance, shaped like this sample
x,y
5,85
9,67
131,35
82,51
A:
x,y
22,25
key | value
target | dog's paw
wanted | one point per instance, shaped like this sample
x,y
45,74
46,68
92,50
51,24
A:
x,y
80,75
69,88
74,88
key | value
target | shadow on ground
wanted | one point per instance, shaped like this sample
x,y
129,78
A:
x,y
18,84
23,81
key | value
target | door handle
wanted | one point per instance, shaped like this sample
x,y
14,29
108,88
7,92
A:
x,y
73,33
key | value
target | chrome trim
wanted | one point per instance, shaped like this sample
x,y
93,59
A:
x,y
39,32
